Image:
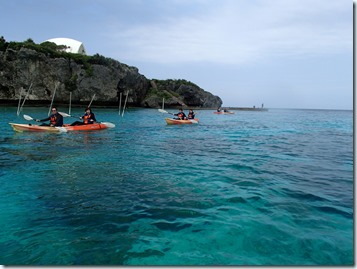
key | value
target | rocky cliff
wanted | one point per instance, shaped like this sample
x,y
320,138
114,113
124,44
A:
x,y
84,77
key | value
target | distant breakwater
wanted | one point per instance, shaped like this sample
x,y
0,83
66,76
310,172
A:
x,y
249,108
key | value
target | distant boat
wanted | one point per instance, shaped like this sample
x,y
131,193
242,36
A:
x,y
222,112
249,108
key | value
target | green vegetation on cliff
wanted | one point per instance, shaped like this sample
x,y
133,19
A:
x,y
173,83
56,51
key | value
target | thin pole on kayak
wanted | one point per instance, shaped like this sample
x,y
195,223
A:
x,y
53,97
126,99
120,102
18,106
27,94
70,103
91,100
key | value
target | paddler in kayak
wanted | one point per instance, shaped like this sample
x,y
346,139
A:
x,y
181,115
88,118
55,119
191,115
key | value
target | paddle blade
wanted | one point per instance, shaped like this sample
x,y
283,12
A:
x,y
27,117
108,124
163,111
61,129
64,114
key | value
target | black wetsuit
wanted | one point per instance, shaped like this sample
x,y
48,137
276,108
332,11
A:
x,y
191,116
87,119
181,116
55,120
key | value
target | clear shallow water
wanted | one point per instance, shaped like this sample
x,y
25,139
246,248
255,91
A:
x,y
254,188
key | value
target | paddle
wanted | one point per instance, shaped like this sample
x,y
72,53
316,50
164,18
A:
x,y
27,117
61,129
108,124
164,111
67,115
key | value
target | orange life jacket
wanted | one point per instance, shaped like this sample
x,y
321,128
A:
x,y
86,118
53,119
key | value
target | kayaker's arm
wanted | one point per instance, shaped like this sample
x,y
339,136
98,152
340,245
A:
x,y
93,118
47,119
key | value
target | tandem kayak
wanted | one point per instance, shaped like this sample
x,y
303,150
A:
x,y
226,113
65,128
173,121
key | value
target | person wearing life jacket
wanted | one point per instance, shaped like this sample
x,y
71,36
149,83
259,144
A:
x,y
181,115
191,115
55,119
88,118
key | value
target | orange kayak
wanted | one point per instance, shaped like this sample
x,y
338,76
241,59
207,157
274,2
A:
x,y
173,121
65,128
86,127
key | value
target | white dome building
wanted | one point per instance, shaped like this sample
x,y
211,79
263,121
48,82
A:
x,y
74,46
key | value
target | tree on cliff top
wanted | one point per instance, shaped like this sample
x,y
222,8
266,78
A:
x,y
55,51
3,44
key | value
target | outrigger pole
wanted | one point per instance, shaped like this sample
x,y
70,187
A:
x,y
120,102
27,94
91,100
126,99
70,103
18,106
53,97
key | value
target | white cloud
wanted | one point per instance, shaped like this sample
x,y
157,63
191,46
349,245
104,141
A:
x,y
234,33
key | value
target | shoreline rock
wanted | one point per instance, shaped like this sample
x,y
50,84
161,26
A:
x,y
84,77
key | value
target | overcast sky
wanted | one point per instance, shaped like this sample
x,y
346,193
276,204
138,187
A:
x,y
283,53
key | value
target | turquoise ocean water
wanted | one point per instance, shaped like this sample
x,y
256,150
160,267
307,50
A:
x,y
253,188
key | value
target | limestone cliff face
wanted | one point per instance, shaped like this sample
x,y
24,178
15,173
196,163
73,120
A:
x,y
180,93
21,68
18,69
